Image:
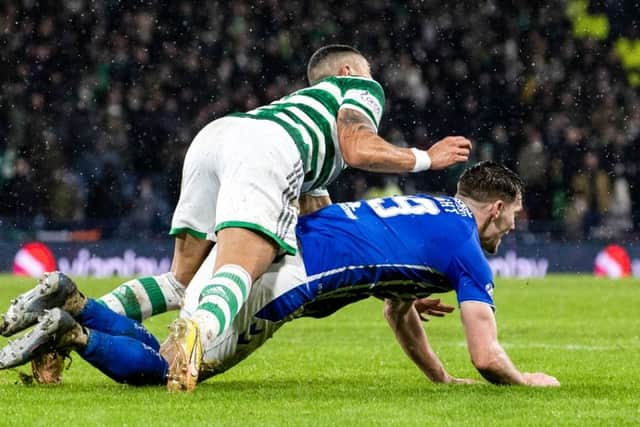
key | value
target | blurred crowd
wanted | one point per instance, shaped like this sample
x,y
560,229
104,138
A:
x,y
100,99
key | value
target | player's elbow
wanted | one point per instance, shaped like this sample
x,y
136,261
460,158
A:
x,y
485,359
483,363
396,311
489,365
388,311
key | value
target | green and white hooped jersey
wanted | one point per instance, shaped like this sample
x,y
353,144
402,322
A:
x,y
309,116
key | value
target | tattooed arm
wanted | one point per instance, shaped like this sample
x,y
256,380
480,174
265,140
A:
x,y
362,148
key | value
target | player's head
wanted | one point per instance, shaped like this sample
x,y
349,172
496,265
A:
x,y
494,193
337,60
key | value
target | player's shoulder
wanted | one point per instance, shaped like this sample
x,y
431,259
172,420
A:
x,y
453,220
450,204
456,208
345,83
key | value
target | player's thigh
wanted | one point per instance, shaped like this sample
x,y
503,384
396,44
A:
x,y
188,256
248,248
260,185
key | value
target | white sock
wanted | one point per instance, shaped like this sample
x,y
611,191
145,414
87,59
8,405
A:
x,y
144,297
220,301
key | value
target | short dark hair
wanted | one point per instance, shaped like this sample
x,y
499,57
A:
x,y
488,181
323,54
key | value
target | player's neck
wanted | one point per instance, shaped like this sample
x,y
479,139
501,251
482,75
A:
x,y
479,210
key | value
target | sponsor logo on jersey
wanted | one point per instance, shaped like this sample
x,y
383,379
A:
x,y
371,102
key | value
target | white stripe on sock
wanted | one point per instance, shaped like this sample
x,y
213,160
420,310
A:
x,y
113,303
221,303
142,297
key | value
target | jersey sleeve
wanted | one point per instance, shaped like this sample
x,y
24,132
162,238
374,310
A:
x,y
318,192
363,95
474,276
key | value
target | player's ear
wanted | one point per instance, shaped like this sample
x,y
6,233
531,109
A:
x,y
495,209
345,70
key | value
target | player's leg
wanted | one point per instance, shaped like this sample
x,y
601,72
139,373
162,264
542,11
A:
x,y
122,358
144,297
242,256
54,289
249,330
57,290
255,216
193,227
99,318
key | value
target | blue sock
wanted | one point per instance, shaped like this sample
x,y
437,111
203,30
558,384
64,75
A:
x,y
125,359
98,317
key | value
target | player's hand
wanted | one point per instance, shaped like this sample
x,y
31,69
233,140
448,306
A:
x,y
431,307
453,380
309,204
539,379
449,151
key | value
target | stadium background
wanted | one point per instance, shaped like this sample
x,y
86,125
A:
x,y
99,101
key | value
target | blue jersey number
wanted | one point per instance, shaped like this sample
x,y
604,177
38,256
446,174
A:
x,y
394,206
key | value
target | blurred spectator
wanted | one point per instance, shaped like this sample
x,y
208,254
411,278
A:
x,y
19,195
67,200
534,170
102,95
590,197
617,221
149,213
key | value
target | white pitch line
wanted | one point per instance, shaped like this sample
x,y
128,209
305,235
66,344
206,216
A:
x,y
570,347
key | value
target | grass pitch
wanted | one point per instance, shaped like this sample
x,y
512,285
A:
x,y
348,370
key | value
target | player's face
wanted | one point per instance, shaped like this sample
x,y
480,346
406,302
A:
x,y
502,222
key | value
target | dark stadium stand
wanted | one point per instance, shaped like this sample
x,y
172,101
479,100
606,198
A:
x,y
99,101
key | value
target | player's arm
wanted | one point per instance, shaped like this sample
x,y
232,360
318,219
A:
x,y
487,355
362,148
404,320
313,201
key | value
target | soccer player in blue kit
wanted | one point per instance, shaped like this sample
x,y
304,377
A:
x,y
401,249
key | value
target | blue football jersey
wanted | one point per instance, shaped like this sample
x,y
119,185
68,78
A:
x,y
403,247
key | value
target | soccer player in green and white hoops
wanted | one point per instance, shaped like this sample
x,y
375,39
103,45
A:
x,y
241,180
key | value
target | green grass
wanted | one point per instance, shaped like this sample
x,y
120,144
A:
x,y
348,370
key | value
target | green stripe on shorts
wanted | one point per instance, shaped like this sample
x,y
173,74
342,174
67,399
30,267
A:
x,y
195,233
290,250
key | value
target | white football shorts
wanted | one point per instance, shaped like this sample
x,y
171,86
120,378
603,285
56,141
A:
x,y
240,172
